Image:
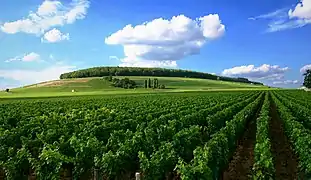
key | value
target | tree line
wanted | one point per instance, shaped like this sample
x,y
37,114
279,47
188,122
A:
x,y
138,71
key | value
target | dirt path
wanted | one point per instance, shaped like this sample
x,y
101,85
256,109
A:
x,y
285,161
240,167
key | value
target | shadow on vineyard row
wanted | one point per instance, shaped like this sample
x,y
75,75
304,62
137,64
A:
x,y
286,163
240,166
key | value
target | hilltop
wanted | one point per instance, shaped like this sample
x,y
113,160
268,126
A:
x,y
99,86
139,71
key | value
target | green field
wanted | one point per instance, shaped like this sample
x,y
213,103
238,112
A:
x,y
98,86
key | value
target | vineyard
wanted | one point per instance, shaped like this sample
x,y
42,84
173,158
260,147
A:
x,y
197,135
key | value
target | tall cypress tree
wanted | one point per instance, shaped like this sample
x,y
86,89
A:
x,y
146,84
156,83
149,83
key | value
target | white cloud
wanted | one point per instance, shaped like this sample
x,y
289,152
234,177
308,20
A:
x,y
54,36
286,82
265,71
30,57
280,25
280,13
162,42
114,58
51,56
302,10
50,13
304,68
36,76
283,19
148,63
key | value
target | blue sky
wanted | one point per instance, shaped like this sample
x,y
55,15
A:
x,y
267,41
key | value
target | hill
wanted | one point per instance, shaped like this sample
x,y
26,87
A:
x,y
99,86
138,71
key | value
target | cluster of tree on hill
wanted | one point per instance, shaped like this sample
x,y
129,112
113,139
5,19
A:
x,y
307,79
153,84
125,83
137,71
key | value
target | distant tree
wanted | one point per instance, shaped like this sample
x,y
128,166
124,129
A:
x,y
307,79
116,73
149,83
162,86
7,90
125,83
110,78
154,83
146,84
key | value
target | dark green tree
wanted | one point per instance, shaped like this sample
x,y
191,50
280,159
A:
x,y
149,83
307,80
155,83
146,84
7,90
125,83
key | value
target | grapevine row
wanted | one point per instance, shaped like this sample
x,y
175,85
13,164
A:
x,y
210,160
299,136
263,167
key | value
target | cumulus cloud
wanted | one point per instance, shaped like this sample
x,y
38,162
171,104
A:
x,y
30,57
49,14
285,18
302,10
35,76
286,82
162,42
265,71
305,68
54,36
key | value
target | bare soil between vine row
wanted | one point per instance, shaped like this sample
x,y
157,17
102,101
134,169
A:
x,y
285,161
240,167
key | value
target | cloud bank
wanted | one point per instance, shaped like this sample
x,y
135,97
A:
x,y
286,18
305,68
162,42
286,82
30,57
35,76
50,14
263,72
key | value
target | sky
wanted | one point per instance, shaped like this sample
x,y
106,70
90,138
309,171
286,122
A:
x,y
263,40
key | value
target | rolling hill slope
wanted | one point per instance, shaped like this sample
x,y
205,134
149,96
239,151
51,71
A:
x,y
90,86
